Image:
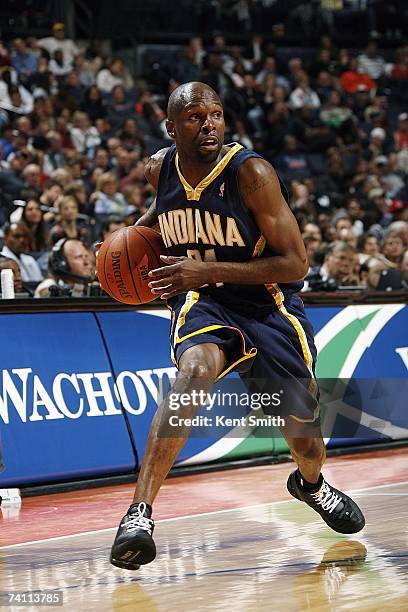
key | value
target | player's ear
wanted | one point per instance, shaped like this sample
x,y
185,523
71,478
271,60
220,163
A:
x,y
170,128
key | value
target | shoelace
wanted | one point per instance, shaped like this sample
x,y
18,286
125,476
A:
x,y
326,498
139,521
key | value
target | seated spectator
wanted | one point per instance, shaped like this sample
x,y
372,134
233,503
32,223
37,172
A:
x,y
301,200
368,245
356,215
134,199
16,240
78,191
131,135
16,99
338,268
50,196
121,163
70,263
353,80
371,272
109,201
325,85
378,276
85,71
187,68
336,116
346,235
119,108
269,69
10,264
111,224
313,230
303,95
371,62
32,181
85,137
340,221
376,145
115,74
68,225
92,104
310,131
401,228
59,65
73,87
33,218
59,41
42,82
54,157
292,164
101,159
277,127
393,248
384,177
24,61
312,244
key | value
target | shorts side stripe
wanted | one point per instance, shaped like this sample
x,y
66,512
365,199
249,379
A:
x,y
191,298
278,296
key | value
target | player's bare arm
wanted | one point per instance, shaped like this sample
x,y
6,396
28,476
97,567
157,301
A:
x,y
261,194
152,173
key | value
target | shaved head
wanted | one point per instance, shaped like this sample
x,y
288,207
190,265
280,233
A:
x,y
188,93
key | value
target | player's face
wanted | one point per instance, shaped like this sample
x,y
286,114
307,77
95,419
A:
x,y
199,129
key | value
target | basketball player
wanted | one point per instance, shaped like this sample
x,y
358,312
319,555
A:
x,y
236,260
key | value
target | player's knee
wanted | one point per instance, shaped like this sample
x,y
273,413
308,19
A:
x,y
196,369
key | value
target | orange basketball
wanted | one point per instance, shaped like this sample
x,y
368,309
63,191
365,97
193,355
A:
x,y
124,261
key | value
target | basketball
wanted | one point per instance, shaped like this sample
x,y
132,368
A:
x,y
124,261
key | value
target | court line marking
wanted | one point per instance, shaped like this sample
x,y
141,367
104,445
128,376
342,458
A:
x,y
188,516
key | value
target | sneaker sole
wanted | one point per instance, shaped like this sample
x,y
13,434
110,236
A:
x,y
123,564
122,557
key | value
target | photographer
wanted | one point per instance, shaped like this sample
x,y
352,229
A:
x,y
338,268
70,270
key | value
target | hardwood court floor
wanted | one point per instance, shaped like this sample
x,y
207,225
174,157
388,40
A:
x,y
243,546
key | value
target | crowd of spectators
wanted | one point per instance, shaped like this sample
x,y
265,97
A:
x,y
76,129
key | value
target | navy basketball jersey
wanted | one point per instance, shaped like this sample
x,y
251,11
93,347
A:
x,y
211,223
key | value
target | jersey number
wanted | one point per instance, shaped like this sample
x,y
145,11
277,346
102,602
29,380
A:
x,y
209,255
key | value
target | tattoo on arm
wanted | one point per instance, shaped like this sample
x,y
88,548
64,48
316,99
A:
x,y
257,184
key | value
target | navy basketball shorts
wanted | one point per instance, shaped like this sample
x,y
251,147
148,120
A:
x,y
272,353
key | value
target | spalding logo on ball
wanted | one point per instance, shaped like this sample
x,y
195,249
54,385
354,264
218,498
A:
x,y
124,261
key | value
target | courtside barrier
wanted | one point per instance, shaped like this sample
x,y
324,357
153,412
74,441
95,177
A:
x,y
78,390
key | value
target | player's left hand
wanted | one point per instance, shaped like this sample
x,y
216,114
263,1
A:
x,y
180,274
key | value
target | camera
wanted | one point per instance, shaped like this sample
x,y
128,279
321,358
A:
x,y
316,283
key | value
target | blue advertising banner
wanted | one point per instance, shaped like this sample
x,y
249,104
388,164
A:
x,y
59,417
69,381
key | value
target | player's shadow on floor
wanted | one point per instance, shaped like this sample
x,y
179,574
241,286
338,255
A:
x,y
320,585
314,589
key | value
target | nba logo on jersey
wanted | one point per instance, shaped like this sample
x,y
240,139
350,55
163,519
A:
x,y
222,187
